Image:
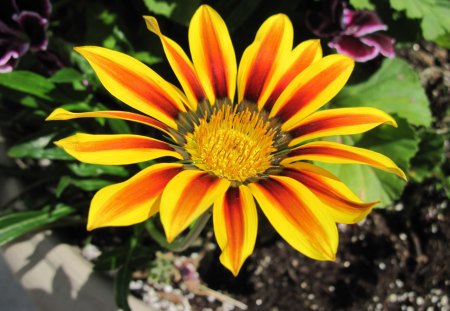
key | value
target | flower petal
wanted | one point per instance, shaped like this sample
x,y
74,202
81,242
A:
x,y
116,149
298,216
269,50
62,114
312,89
383,43
300,58
135,84
181,65
331,152
341,121
235,226
342,204
131,201
354,47
361,22
186,197
213,53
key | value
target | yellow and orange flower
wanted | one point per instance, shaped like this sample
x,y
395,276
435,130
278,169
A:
x,y
231,154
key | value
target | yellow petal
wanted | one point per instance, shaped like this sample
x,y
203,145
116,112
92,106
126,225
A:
x,y
299,59
62,114
341,121
131,201
331,152
135,84
298,216
269,50
181,65
235,226
312,89
213,53
342,204
116,149
186,197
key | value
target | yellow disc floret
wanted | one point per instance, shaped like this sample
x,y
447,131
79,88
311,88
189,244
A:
x,y
233,143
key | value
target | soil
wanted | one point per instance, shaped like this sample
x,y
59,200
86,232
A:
x,y
397,259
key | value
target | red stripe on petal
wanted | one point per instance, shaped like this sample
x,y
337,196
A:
x,y
310,90
296,212
328,122
146,91
337,153
131,201
302,61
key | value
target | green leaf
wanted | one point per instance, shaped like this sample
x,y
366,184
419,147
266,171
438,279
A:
x,y
362,4
84,184
395,88
430,156
17,224
370,184
92,170
28,83
66,75
436,22
35,149
179,11
434,14
413,8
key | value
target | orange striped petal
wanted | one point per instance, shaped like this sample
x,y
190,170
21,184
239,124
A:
x,y
116,149
235,226
135,84
186,197
213,53
331,152
298,216
299,59
131,201
343,205
62,114
312,89
271,48
341,121
181,65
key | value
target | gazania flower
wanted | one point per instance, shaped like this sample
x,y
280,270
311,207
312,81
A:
x,y
231,152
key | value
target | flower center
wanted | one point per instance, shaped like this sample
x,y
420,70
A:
x,y
233,142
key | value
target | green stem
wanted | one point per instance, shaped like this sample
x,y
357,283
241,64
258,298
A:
x,y
180,244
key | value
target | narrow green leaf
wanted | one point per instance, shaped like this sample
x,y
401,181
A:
x,y
35,149
92,170
17,224
66,75
28,82
123,278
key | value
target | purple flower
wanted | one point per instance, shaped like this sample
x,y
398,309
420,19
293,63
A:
x,y
23,26
355,33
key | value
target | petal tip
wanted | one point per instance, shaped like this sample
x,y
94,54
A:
x,y
152,24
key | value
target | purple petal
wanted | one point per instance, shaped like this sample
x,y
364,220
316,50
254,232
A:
x,y
10,52
360,23
41,7
354,48
383,43
35,28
